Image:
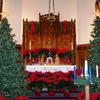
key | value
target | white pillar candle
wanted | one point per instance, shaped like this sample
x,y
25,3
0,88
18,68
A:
x,y
97,71
30,49
30,45
86,68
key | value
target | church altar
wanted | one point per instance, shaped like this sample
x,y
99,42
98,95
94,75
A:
x,y
49,68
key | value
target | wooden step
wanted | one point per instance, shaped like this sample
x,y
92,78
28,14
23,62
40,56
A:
x,y
57,96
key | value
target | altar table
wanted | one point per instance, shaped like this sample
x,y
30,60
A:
x,y
49,68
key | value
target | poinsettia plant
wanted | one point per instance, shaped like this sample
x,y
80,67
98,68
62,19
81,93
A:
x,y
52,81
65,55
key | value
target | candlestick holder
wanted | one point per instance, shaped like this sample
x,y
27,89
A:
x,y
88,85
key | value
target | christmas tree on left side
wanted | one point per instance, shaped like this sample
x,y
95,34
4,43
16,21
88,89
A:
x,y
12,80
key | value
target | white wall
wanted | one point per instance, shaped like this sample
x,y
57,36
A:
x,y
13,8
32,8
85,16
81,10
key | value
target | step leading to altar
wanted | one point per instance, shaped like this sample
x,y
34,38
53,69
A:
x,y
57,96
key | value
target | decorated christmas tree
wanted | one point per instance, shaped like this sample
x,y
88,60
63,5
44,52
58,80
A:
x,y
94,53
95,43
91,83
12,80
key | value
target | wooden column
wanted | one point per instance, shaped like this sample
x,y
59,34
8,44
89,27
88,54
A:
x,y
82,52
87,92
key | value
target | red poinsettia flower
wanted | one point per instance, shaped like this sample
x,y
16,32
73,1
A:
x,y
25,52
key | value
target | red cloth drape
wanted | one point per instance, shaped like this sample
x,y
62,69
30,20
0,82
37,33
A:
x,y
66,26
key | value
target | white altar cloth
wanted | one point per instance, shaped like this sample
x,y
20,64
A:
x,y
49,68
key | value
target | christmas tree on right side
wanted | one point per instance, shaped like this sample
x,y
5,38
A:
x,y
94,50
94,54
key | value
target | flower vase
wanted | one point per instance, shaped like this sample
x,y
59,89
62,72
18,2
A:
x,y
51,93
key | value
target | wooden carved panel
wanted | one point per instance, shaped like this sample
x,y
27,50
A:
x,y
36,41
82,54
49,31
50,35
65,41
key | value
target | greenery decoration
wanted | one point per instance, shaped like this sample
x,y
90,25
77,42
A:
x,y
36,26
94,85
69,28
61,27
64,54
28,26
94,52
94,56
82,81
12,79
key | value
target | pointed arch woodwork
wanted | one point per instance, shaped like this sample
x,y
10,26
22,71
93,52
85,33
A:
x,y
49,34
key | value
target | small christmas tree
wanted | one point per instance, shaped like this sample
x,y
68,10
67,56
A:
x,y
12,81
95,43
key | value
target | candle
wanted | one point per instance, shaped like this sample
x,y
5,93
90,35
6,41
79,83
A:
x,y
86,68
30,49
30,45
97,71
75,73
82,74
90,72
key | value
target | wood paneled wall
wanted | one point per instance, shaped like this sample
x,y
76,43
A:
x,y
19,47
82,53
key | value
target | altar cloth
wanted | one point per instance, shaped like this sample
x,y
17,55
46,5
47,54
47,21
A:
x,y
49,68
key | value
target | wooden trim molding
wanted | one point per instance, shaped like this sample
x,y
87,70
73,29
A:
x,y
19,47
83,46
82,54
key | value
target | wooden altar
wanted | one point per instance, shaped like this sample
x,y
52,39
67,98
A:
x,y
49,34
